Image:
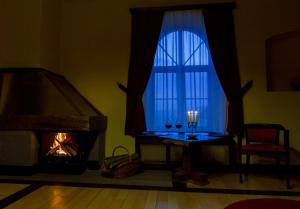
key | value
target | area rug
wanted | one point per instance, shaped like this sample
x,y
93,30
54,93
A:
x,y
265,203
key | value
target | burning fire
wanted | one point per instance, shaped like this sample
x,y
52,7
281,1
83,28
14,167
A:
x,y
63,145
59,139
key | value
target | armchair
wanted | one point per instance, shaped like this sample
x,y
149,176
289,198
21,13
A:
x,y
264,139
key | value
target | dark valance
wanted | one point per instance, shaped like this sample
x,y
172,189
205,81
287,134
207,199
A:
x,y
216,6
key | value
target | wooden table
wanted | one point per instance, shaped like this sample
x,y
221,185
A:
x,y
190,150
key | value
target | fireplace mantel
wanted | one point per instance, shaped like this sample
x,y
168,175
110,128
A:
x,y
52,122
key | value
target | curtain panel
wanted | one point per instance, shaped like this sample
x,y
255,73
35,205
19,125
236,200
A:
x,y
145,31
220,32
183,78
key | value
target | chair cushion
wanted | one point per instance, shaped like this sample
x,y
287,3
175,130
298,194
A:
x,y
261,134
263,148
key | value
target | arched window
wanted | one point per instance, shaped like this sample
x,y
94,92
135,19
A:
x,y
182,80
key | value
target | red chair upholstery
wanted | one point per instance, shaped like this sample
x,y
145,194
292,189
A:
x,y
265,139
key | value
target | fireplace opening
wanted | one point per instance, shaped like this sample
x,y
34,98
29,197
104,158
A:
x,y
64,151
64,144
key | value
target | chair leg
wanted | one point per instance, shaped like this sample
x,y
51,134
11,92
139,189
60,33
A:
x,y
277,160
247,166
241,177
240,169
288,182
288,175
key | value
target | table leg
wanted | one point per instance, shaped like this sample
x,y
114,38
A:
x,y
186,174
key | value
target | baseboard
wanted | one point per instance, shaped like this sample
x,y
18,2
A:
x,y
31,170
18,170
160,165
259,168
94,165
225,168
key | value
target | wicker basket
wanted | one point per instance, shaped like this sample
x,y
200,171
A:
x,y
121,166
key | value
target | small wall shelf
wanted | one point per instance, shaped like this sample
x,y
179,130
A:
x,y
283,62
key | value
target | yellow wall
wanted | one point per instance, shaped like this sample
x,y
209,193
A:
x,y
255,22
20,32
30,33
93,52
50,34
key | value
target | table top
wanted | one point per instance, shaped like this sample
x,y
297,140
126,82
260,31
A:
x,y
188,138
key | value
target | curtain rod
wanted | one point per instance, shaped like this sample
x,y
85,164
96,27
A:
x,y
225,5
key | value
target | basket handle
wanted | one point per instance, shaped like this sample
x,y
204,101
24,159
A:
x,y
122,147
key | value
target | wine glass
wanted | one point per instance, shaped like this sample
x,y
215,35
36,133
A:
x,y
168,125
179,125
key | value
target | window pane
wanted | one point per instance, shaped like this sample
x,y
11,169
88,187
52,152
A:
x,y
165,97
167,51
196,85
194,50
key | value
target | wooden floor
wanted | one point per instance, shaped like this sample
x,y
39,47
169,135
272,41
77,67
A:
x,y
222,190
7,189
91,198
163,179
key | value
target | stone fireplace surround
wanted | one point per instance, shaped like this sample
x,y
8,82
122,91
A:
x,y
34,101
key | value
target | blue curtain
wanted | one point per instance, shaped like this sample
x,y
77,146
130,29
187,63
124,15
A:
x,y
183,78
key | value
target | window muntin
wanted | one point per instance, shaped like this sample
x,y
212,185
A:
x,y
179,74
181,48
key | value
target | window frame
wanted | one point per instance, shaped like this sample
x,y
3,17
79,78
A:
x,y
181,71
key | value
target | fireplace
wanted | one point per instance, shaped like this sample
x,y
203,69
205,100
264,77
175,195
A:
x,y
65,151
70,131
61,145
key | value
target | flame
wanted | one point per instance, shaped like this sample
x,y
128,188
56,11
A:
x,y
59,138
